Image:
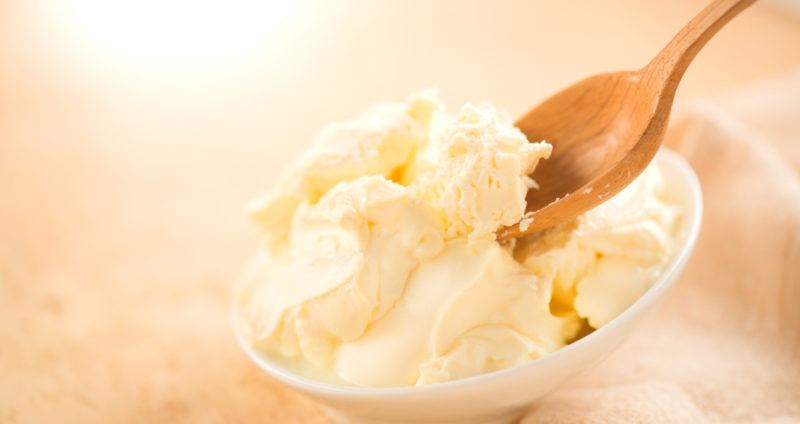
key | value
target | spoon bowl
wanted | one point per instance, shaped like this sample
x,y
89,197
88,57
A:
x,y
590,125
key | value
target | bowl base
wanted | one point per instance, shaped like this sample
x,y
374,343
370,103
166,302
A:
x,y
512,416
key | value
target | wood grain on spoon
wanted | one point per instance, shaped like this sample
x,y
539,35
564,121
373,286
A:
x,y
606,129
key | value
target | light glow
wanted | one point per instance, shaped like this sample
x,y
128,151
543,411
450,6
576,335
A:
x,y
171,35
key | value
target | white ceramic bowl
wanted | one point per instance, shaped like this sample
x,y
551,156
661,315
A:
x,y
502,396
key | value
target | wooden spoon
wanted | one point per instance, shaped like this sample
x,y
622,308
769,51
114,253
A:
x,y
607,128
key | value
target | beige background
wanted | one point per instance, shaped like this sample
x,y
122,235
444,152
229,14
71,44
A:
x,y
123,175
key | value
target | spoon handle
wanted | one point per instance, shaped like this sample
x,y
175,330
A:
x,y
671,63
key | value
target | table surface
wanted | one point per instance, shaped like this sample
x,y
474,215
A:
x,y
124,175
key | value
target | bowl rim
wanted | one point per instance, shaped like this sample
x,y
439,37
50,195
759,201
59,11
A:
x,y
656,291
